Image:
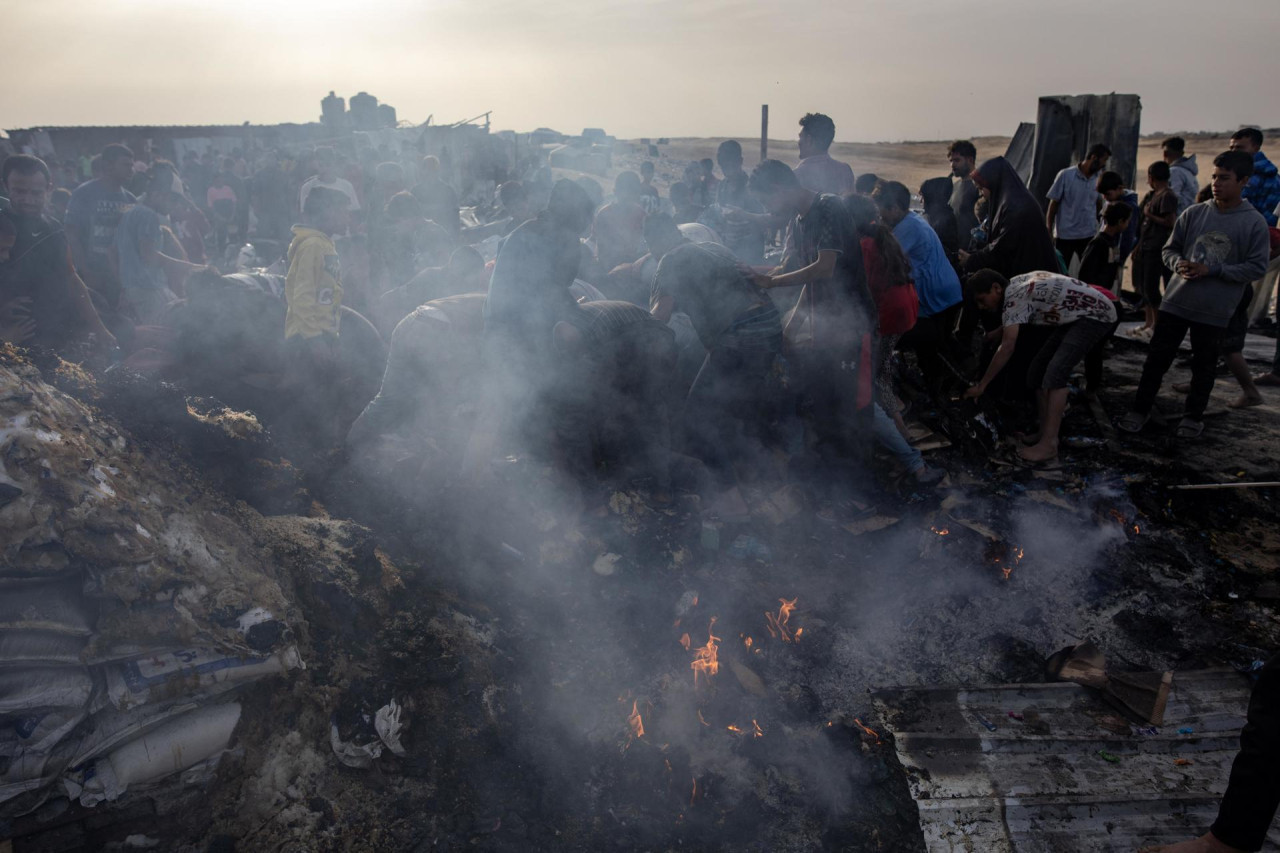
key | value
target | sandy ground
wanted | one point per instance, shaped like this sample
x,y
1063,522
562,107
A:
x,y
909,162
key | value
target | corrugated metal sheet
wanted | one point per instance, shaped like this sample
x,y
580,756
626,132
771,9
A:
x,y
1042,784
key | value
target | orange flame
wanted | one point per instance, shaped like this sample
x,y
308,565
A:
x,y
759,732
943,532
706,659
634,720
867,729
685,641
694,795
702,719
747,642
777,625
1136,530
734,729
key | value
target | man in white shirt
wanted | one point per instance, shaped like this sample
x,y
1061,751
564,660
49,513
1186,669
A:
x,y
1074,204
327,168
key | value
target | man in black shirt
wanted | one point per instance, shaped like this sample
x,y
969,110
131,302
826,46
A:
x,y
39,279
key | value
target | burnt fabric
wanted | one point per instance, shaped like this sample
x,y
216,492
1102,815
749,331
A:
x,y
1253,791
1019,241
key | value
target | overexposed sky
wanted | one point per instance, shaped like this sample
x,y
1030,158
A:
x,y
883,69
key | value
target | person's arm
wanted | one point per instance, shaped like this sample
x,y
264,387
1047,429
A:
x,y
1008,341
820,269
1171,254
151,256
86,315
1164,220
664,305
1050,215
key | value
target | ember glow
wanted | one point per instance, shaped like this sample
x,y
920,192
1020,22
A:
x,y
634,720
685,641
943,532
706,659
758,732
866,729
777,623
702,719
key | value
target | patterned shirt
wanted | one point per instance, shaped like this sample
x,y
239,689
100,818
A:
x,y
1050,299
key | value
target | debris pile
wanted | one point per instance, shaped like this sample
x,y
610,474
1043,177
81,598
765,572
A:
x,y
131,608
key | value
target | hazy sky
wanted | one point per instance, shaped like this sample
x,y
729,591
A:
x,y
883,69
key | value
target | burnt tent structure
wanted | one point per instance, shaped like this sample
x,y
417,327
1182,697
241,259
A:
x,y
1066,125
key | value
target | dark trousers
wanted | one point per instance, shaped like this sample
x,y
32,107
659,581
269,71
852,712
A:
x,y
1253,792
1150,275
731,404
1070,248
1168,335
931,339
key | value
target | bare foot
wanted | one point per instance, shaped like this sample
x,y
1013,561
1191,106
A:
x,y
1039,452
1027,438
1244,401
1182,387
1206,843
1269,380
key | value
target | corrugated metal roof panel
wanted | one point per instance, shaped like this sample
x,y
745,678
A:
x,y
987,782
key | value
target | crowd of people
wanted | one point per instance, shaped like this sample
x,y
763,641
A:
x,y
748,328
791,295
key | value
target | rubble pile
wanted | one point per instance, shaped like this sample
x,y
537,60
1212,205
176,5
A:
x,y
131,608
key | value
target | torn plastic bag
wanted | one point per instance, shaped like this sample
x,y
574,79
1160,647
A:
x,y
390,723
181,743
184,672
359,756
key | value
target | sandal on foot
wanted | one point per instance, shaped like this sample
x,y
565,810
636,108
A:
x,y
1133,422
1190,428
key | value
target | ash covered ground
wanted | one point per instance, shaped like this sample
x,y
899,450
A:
x,y
545,665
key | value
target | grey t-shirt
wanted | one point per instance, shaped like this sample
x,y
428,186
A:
x,y
140,224
1233,243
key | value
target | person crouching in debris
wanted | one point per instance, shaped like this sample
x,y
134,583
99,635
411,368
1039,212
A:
x,y
1082,318
528,295
734,401
832,331
1217,247
313,300
611,397
422,413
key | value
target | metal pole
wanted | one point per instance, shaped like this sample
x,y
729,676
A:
x,y
1203,486
764,132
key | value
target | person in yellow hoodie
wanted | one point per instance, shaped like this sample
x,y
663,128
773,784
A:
x,y
313,299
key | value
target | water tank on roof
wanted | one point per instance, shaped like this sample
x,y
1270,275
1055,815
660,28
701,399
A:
x,y
333,110
386,115
364,111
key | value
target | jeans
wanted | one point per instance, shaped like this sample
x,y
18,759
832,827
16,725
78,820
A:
x,y
891,440
1168,335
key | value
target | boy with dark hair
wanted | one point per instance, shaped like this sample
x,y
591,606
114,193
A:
x,y
93,213
39,282
936,195
818,171
313,300
964,192
834,324
1182,171
1159,211
1217,247
1081,318
1072,215
935,279
745,222
1113,191
1263,191
866,183
1102,257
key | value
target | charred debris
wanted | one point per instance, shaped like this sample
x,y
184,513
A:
x,y
210,645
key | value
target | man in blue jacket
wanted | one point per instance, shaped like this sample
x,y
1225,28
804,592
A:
x,y
1263,190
